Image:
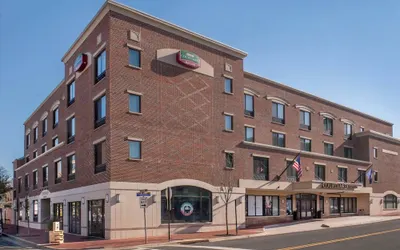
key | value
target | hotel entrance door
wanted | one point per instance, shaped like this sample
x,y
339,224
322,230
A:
x,y
306,206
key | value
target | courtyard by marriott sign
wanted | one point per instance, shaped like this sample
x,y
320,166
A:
x,y
188,59
328,185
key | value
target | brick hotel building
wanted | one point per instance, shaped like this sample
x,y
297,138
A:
x,y
147,105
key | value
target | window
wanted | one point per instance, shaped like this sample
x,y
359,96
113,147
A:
x,y
19,184
135,149
74,216
320,172
229,160
55,117
375,150
35,154
58,171
278,113
99,157
45,176
390,201
348,128
361,177
343,205
100,111
342,176
26,182
291,172
35,179
261,168
278,139
71,167
289,204
262,205
44,127
362,129
305,120
21,211
135,103
134,58
322,204
35,134
348,152
228,85
305,144
28,140
44,148
249,105
328,126
35,211
249,134
192,204
71,130
328,148
375,176
100,62
55,141
228,122
27,159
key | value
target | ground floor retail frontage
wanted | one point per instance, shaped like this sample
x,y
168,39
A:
x,y
113,210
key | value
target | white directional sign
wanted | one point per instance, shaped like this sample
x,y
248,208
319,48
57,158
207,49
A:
x,y
143,202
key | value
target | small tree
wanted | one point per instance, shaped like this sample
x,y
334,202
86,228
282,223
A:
x,y
26,206
5,184
226,188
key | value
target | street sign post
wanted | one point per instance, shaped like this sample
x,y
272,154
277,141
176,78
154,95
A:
x,y
169,208
143,194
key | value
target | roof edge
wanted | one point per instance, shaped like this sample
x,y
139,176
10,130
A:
x,y
110,5
318,98
380,135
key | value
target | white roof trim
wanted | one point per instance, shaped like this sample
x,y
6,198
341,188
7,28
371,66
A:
x,y
251,92
345,120
328,115
55,105
44,116
305,108
35,124
278,100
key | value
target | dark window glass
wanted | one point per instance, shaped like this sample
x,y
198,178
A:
x,y
291,172
45,176
100,157
261,168
328,126
100,111
27,159
135,103
249,105
375,176
361,177
71,93
305,120
320,172
71,130
44,148
100,66
35,134
188,204
35,154
322,204
328,148
134,58
26,182
35,178
289,204
348,152
71,167
229,160
74,217
44,127
58,171
305,144
135,149
249,134
342,177
35,210
96,221
228,122
278,139
278,113
390,201
19,185
343,205
55,141
55,117
348,130
28,140
58,213
228,85
375,150
262,205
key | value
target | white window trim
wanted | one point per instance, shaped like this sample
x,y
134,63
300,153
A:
x,y
44,116
260,155
328,142
69,154
305,108
35,125
28,131
99,140
248,91
45,165
70,80
250,126
278,100
131,46
54,137
101,93
70,116
303,137
133,139
58,159
341,166
350,122
229,151
99,50
276,131
319,163
133,92
346,146
55,105
328,115
227,76
230,114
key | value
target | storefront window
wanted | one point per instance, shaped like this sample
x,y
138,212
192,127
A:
x,y
390,201
289,205
188,204
257,205
346,205
322,204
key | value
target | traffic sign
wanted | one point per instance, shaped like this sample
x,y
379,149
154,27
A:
x,y
143,202
143,194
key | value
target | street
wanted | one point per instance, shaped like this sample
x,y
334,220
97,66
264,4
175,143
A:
x,y
384,235
8,243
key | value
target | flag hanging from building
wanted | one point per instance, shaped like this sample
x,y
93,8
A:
x,y
297,166
370,175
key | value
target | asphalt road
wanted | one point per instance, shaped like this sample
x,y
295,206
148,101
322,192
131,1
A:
x,y
8,243
376,236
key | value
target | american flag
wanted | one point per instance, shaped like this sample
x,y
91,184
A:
x,y
297,166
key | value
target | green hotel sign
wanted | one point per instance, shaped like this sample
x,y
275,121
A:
x,y
188,59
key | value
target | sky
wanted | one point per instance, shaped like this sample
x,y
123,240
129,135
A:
x,y
344,51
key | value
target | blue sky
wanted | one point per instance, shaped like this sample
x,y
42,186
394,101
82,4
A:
x,y
345,51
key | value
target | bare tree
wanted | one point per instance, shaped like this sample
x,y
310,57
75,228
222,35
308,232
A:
x,y
5,183
26,207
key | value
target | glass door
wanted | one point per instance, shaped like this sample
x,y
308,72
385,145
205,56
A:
x,y
96,218
74,215
58,214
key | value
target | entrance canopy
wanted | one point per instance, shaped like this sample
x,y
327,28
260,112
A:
x,y
328,187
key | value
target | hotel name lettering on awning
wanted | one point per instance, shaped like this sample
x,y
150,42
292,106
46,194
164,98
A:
x,y
328,185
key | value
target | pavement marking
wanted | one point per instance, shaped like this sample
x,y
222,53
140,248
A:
x,y
338,240
210,247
